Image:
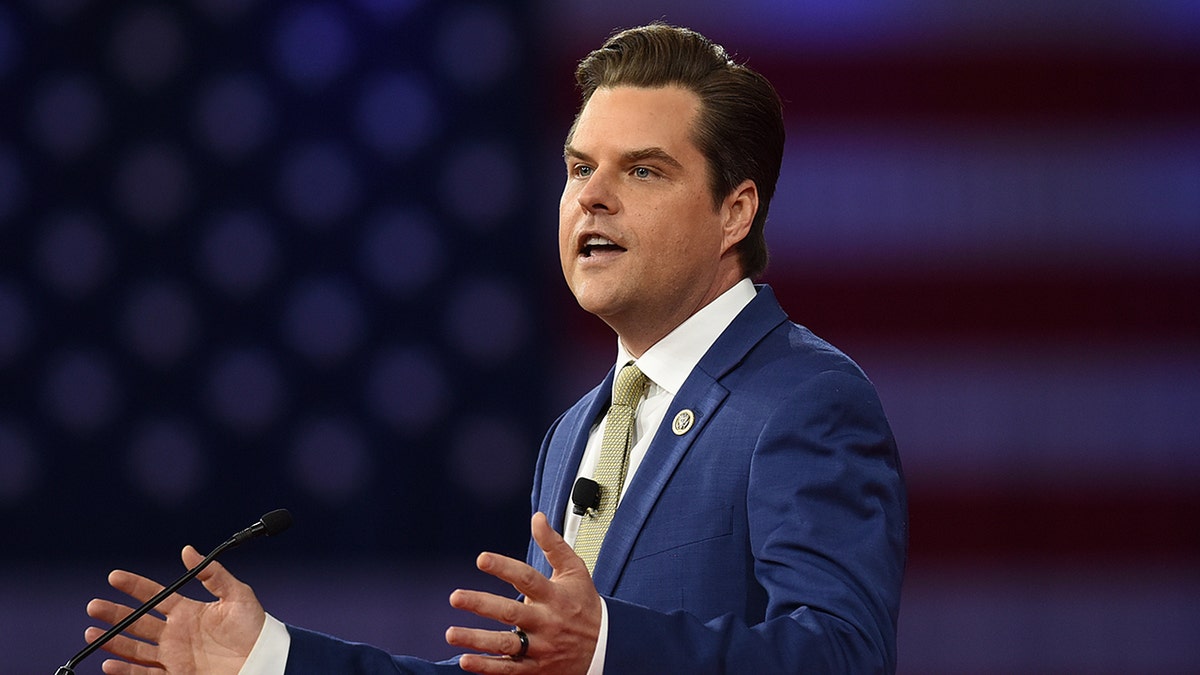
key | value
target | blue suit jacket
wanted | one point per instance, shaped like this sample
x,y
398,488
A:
x,y
770,537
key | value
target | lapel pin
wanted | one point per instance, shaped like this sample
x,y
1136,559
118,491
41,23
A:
x,y
683,422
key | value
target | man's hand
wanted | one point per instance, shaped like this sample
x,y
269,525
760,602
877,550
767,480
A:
x,y
213,638
560,615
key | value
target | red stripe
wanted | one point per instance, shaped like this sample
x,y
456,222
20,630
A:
x,y
986,305
1151,524
995,305
1037,86
1043,86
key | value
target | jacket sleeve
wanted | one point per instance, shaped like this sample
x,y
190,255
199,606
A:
x,y
828,533
313,653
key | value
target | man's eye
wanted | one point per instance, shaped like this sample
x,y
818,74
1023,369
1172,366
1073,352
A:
x,y
642,172
583,171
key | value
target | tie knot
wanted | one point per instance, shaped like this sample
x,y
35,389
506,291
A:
x,y
631,384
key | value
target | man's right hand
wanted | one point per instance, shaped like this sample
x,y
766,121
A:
x,y
213,638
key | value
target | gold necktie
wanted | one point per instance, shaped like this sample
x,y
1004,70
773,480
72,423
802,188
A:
x,y
614,461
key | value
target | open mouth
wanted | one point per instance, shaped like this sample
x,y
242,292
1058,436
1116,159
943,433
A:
x,y
598,244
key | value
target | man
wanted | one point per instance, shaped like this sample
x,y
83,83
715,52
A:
x,y
751,511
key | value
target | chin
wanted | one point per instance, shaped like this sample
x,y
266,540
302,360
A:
x,y
601,305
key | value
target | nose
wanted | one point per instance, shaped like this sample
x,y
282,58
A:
x,y
598,195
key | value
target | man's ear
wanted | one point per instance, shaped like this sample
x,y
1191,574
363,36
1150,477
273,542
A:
x,y
739,208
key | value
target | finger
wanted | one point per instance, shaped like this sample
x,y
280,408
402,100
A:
x,y
524,578
115,667
127,648
505,643
135,586
489,606
558,552
107,611
142,589
147,627
495,665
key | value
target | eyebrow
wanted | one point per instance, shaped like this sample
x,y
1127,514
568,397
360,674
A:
x,y
639,155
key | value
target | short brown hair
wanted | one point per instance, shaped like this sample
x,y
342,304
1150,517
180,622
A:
x,y
740,126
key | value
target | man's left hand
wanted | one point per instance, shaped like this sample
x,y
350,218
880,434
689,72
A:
x,y
560,616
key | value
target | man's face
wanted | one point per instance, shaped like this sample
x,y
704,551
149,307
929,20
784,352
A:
x,y
640,241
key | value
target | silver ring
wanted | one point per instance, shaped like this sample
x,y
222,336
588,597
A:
x,y
524,643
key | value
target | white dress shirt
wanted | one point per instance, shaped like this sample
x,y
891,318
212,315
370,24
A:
x,y
666,364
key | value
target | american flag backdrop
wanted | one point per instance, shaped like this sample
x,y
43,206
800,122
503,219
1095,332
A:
x,y
259,255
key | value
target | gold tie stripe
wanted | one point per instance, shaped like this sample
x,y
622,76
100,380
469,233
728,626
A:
x,y
614,461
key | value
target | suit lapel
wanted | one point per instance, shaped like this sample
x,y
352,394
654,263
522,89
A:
x,y
561,468
702,394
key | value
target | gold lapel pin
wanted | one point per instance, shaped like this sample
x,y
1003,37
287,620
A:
x,y
683,422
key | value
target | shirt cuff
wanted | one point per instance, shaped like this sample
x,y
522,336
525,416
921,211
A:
x,y
270,652
597,667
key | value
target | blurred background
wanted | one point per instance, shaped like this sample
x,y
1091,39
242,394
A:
x,y
259,255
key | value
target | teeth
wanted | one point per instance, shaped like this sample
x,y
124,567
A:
x,y
595,240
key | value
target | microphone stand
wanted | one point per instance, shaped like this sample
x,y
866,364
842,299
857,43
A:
x,y
272,523
69,667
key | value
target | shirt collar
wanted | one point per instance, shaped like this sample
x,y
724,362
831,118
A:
x,y
670,360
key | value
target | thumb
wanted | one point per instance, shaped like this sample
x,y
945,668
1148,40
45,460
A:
x,y
219,581
558,552
191,557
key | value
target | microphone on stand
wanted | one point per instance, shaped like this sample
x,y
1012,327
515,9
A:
x,y
270,525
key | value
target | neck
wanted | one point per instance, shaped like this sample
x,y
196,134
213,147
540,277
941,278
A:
x,y
638,337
